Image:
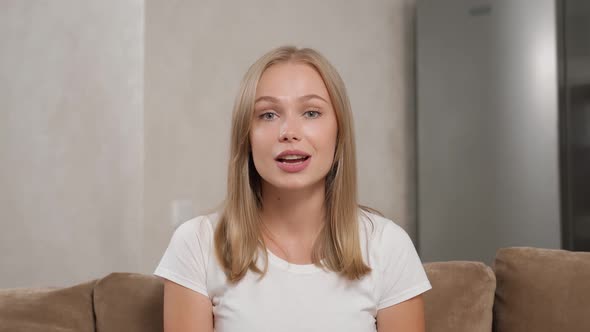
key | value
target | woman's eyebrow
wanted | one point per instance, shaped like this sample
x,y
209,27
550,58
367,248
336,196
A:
x,y
302,98
312,96
266,98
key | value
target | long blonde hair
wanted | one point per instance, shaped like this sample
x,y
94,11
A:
x,y
238,236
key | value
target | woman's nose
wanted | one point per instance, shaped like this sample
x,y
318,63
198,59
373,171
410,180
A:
x,y
290,130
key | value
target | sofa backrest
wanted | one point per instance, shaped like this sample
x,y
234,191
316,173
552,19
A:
x,y
47,310
129,302
461,298
530,289
542,290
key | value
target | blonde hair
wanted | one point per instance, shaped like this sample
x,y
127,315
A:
x,y
238,236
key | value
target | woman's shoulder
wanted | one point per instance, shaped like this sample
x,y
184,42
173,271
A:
x,y
202,226
384,236
375,225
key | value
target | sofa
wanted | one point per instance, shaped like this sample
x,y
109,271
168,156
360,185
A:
x,y
526,289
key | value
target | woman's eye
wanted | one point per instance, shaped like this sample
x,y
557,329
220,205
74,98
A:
x,y
267,116
312,114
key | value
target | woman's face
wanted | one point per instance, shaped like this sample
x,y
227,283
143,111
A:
x,y
294,128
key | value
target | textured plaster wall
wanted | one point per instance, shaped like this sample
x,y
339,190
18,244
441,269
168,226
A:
x,y
71,140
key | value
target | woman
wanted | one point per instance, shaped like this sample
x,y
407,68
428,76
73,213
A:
x,y
291,250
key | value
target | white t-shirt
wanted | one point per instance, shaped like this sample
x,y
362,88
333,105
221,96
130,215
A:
x,y
294,297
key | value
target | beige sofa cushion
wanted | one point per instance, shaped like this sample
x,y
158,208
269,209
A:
x,y
542,290
129,302
461,297
47,310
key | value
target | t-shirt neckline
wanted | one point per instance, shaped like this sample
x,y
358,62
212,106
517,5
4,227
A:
x,y
291,267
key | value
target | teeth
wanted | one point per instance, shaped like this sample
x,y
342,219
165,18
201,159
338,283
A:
x,y
292,157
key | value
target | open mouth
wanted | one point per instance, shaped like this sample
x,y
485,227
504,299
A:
x,y
292,159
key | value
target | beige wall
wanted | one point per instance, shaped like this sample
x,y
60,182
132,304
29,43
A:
x,y
94,146
71,140
196,53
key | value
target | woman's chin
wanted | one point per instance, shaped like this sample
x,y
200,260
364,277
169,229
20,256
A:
x,y
295,185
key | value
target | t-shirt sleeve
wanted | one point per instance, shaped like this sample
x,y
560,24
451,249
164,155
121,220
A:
x,y
402,274
186,258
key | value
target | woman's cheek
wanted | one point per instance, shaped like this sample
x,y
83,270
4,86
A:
x,y
262,139
323,133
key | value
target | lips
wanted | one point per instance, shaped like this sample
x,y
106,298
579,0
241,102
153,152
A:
x,y
292,156
293,160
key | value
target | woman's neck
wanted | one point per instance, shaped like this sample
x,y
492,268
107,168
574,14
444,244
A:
x,y
294,215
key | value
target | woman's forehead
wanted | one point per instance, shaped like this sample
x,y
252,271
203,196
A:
x,y
291,80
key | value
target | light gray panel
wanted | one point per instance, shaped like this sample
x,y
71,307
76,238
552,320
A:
x,y
487,127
